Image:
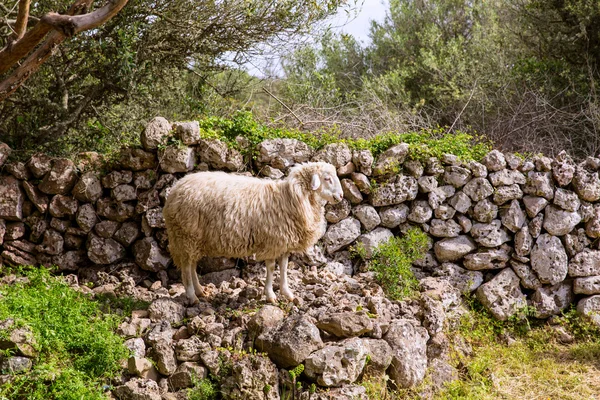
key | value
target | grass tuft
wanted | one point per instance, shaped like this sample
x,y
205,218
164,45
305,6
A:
x,y
79,351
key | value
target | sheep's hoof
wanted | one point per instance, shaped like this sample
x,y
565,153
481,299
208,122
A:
x,y
192,300
271,298
288,295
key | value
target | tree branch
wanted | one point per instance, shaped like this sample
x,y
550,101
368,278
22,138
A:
x,y
18,49
65,25
22,18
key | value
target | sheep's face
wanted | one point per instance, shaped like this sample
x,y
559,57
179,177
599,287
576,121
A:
x,y
326,183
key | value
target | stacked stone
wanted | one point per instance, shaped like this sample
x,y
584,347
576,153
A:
x,y
516,232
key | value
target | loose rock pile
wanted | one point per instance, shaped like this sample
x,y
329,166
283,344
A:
x,y
516,232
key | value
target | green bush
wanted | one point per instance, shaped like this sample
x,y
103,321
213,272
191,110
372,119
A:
x,y
392,263
78,349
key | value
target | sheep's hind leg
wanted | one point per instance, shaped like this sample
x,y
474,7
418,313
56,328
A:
x,y
187,272
197,286
269,293
283,281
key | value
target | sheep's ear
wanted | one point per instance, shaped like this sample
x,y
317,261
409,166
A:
x,y
315,182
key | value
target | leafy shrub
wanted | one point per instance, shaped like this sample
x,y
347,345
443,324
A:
x,y
78,349
392,261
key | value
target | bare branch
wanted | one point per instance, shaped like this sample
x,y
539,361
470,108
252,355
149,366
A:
x,y
22,18
283,104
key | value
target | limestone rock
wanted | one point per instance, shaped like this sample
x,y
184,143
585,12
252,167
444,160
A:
x,y
187,132
507,177
539,184
337,364
529,280
409,352
11,199
586,263
176,159
88,188
549,259
503,194
440,228
104,251
489,235
367,215
464,280
138,389
282,153
39,164
457,176
513,218
494,161
420,212
351,191
137,159
534,205
341,234
334,213
587,185
453,249
502,295
427,183
393,216
523,242
566,199
551,300
291,342
390,160
478,189
62,206
587,285
155,133
460,202
559,222
149,256
395,191
363,160
337,154
485,211
166,309
487,259
370,241
590,307
345,324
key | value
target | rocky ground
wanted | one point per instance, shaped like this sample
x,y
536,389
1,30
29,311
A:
x,y
340,328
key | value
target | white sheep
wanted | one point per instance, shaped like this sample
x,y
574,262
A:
x,y
216,214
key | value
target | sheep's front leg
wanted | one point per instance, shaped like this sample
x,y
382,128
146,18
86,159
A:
x,y
269,293
283,281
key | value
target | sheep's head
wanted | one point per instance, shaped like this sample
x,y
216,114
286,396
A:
x,y
324,182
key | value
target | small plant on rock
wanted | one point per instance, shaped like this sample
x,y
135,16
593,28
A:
x,y
392,262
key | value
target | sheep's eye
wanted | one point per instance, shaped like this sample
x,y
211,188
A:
x,y
328,179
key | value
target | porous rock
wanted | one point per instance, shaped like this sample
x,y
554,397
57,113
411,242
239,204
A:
x,y
502,295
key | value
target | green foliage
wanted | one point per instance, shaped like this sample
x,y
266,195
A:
x,y
203,389
424,144
78,349
392,262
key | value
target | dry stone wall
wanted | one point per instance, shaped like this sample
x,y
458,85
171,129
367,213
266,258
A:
x,y
516,232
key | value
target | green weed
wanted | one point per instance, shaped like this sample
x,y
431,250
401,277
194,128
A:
x,y
392,262
78,350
